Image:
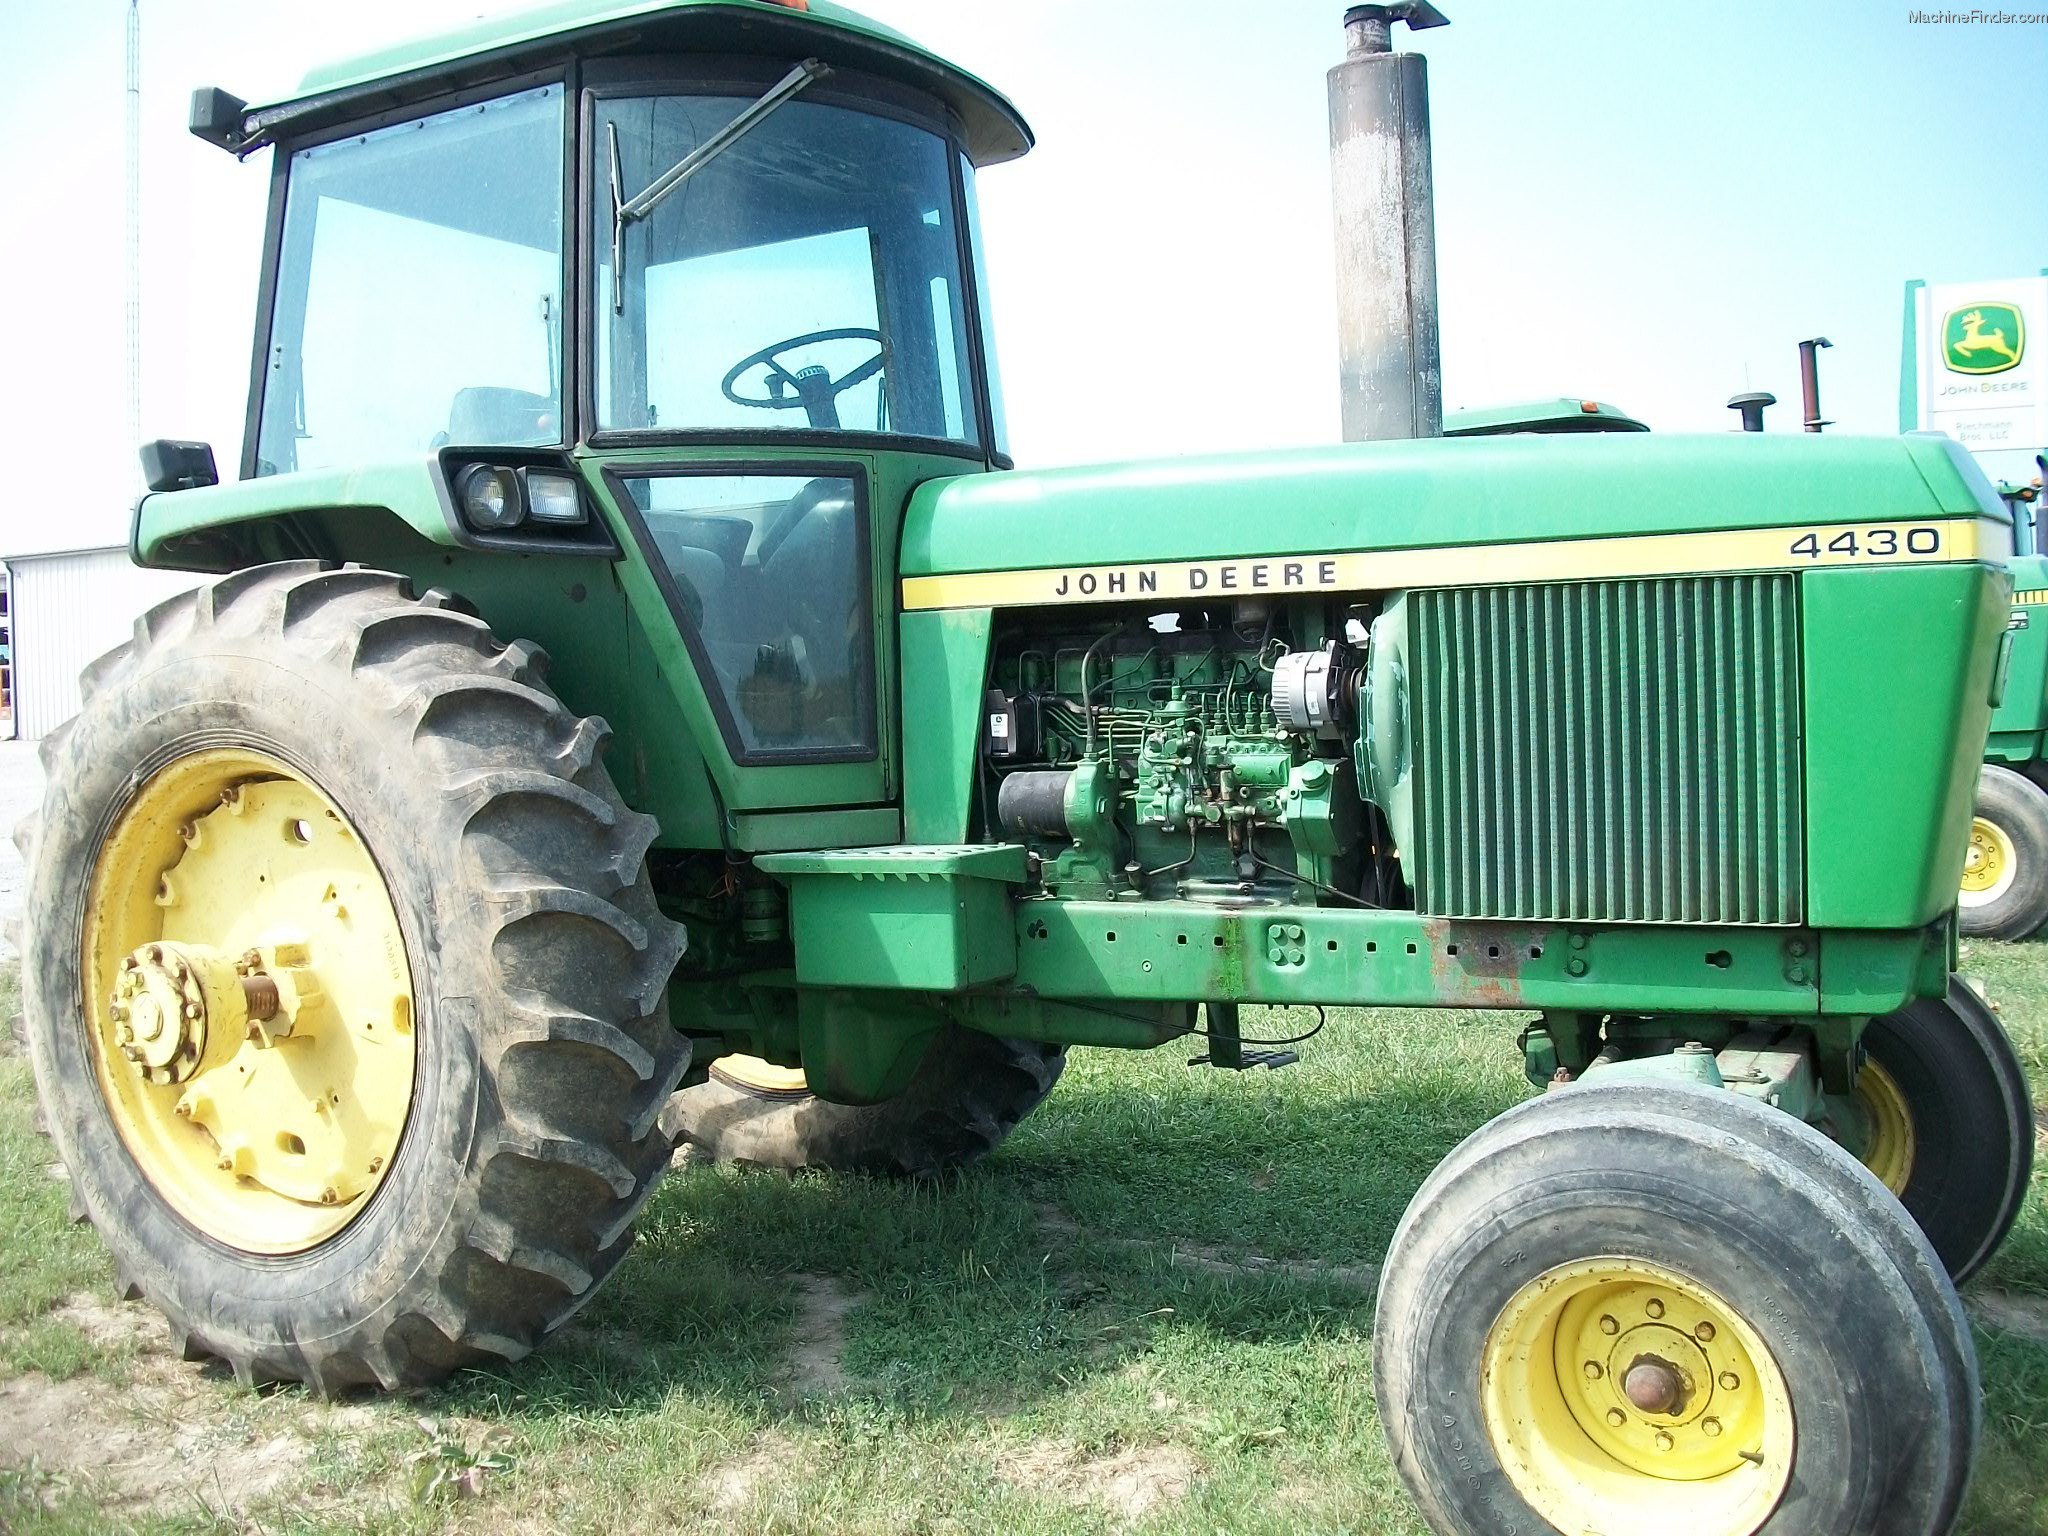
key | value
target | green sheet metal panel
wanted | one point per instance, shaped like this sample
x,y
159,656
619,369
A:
x,y
1443,492
945,668
1899,668
1618,751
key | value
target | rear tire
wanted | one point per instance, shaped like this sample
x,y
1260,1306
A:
x,y
970,1091
2005,877
1615,1193
538,965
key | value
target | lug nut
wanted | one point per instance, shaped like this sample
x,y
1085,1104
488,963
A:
x,y
1664,1441
1654,1307
1609,1325
1616,1417
330,1197
1593,1370
1730,1381
1710,1427
1704,1333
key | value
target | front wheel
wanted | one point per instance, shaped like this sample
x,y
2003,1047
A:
x,y
2004,892
1942,1116
970,1091
344,982
1620,1306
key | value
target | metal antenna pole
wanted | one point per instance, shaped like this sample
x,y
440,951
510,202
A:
x,y
134,231
1387,346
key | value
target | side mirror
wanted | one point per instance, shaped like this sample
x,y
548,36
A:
x,y
217,117
175,466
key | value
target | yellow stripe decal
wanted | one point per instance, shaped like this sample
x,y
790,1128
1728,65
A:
x,y
1931,541
2030,599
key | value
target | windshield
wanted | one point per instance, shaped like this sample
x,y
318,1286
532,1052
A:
x,y
807,278
419,289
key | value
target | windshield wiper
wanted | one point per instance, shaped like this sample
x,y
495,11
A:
x,y
631,210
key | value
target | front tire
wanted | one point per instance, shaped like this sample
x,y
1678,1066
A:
x,y
1942,1117
2004,892
289,763
1616,1306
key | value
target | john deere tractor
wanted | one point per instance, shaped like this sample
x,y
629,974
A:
x,y
632,699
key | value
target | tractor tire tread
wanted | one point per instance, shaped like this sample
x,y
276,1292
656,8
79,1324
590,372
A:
x,y
567,930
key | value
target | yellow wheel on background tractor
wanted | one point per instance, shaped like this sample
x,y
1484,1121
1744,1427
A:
x,y
248,1001
343,982
2004,889
1636,1309
1990,863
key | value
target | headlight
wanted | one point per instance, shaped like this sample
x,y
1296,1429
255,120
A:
x,y
553,498
490,497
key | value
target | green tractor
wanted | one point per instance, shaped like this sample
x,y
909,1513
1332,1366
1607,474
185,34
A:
x,y
636,702
2005,872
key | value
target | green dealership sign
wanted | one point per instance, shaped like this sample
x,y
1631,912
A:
x,y
1983,338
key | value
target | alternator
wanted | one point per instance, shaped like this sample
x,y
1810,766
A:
x,y
1308,693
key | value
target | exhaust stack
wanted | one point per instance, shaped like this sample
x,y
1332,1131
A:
x,y
1388,358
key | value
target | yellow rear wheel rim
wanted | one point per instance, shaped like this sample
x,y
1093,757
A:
x,y
1990,864
1571,1363
248,1001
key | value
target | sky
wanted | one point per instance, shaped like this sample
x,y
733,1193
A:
x,y
1647,203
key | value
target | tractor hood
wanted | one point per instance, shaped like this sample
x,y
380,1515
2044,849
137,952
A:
x,y
1378,516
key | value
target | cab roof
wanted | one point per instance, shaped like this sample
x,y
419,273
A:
x,y
1559,415
540,36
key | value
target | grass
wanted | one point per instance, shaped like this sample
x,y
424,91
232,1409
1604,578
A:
x,y
1070,1339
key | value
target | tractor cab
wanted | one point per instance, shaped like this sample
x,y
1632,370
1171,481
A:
x,y
700,276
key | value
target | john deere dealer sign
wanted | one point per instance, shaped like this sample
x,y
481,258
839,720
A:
x,y
1983,362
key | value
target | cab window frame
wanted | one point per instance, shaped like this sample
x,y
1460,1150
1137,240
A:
x,y
568,321
726,75
855,473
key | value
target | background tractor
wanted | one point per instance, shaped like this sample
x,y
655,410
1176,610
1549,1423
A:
x,y
633,700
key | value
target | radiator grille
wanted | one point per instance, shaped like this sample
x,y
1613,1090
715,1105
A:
x,y
1620,751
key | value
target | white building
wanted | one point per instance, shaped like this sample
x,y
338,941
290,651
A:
x,y
67,608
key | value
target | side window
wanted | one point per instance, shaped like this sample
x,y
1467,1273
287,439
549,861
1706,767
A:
x,y
768,578
419,290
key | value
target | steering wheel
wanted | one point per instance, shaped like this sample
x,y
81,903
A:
x,y
813,387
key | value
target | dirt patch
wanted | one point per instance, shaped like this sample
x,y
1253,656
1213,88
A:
x,y
146,1446
730,1486
123,1327
1218,1261
2020,1312
818,1345
1129,1484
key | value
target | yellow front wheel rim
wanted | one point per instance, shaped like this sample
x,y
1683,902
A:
x,y
1621,1395
761,1079
1990,864
1886,1144
248,1001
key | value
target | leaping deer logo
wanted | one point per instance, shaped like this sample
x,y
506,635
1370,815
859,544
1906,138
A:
x,y
1985,338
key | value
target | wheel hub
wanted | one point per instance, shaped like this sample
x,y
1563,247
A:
x,y
1655,1386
